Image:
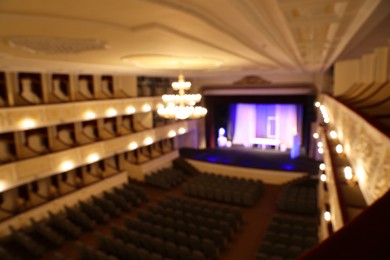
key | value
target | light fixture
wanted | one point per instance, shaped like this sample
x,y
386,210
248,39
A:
x,y
339,148
322,166
348,173
320,150
181,106
323,177
327,216
333,134
316,135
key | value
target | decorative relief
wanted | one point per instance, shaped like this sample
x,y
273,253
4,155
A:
x,y
370,149
55,45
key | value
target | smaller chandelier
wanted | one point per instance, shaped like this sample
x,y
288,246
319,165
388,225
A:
x,y
181,105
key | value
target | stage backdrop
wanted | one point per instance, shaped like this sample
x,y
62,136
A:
x,y
274,121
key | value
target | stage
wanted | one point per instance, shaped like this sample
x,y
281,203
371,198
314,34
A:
x,y
253,158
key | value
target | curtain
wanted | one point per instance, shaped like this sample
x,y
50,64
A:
x,y
250,120
245,124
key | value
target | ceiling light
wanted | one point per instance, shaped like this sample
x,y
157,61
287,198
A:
x,y
66,165
317,104
316,135
181,106
320,144
181,130
323,177
320,150
148,141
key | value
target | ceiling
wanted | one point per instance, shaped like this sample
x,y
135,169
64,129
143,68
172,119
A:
x,y
203,37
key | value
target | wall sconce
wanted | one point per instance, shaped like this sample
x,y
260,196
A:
x,y
146,108
182,130
94,157
339,148
172,133
316,135
348,175
111,112
66,166
89,115
320,145
322,166
130,110
333,134
27,123
327,216
320,150
133,145
148,141
323,177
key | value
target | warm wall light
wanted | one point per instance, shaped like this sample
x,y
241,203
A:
x,y
89,115
66,165
317,104
130,110
182,130
339,148
348,173
320,144
146,108
322,166
320,150
133,145
327,216
3,185
93,157
323,177
316,135
333,134
172,133
148,140
111,112
27,123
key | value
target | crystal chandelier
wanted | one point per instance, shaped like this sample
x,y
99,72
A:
x,y
181,106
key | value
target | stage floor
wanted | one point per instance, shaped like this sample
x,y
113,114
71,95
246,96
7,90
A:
x,y
253,158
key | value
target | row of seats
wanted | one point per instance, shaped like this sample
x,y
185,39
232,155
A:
x,y
232,190
181,164
288,237
299,198
50,233
166,178
165,242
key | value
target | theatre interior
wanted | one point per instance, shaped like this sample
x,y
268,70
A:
x,y
195,129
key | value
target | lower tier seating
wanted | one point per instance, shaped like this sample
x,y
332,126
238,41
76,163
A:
x,y
166,178
232,190
288,237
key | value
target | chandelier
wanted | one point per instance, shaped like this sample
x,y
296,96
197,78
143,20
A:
x,y
181,105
